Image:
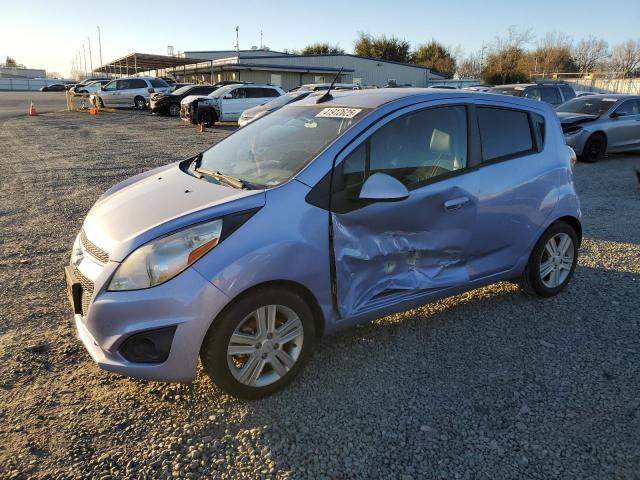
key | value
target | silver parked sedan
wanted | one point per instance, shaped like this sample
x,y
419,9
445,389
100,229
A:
x,y
598,124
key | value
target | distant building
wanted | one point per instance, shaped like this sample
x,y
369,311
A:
x,y
268,66
21,72
289,71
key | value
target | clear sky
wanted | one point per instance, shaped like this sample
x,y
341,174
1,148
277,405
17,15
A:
x,y
47,34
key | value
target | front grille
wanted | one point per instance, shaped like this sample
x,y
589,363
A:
x,y
87,290
92,249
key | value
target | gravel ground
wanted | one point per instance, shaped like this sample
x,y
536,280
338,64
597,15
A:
x,y
488,384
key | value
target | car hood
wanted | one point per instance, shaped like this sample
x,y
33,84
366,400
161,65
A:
x,y
568,118
191,98
254,111
158,202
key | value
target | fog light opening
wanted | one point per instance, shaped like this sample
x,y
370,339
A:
x,y
152,346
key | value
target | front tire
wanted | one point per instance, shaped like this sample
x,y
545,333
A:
x,y
594,148
208,118
552,262
174,109
259,343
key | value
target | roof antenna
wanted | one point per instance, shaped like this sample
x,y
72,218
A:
x,y
327,95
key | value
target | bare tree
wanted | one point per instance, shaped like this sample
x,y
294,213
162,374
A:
x,y
470,66
589,54
552,54
625,58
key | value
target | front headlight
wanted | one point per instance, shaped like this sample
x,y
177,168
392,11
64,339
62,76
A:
x,y
165,257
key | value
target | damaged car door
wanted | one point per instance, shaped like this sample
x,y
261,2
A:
x,y
389,247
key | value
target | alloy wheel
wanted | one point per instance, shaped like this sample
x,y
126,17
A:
x,y
265,345
556,260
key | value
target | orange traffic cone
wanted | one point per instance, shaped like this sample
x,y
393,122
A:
x,y
32,110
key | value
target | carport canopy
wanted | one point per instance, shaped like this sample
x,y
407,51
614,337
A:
x,y
135,63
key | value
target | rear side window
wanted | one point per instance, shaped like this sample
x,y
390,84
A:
x,y
551,95
255,92
158,83
538,129
135,83
271,92
567,92
504,133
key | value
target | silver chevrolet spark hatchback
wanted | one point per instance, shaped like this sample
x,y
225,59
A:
x,y
330,211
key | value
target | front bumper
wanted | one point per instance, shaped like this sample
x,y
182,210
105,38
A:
x,y
189,302
577,140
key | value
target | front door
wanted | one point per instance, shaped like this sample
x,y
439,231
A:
x,y
624,132
233,104
388,252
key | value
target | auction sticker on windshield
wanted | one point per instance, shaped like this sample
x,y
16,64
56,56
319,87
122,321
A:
x,y
334,112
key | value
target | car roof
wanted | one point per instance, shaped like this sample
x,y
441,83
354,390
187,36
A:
x,y
374,98
619,96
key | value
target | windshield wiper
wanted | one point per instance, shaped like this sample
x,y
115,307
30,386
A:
x,y
228,179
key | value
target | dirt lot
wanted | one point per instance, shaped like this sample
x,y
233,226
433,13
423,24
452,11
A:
x,y
488,384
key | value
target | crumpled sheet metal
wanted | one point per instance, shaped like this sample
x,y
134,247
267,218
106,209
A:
x,y
370,262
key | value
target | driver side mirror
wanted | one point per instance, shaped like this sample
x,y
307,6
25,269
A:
x,y
618,114
381,186
228,96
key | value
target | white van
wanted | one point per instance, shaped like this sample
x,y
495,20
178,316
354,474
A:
x,y
227,103
129,92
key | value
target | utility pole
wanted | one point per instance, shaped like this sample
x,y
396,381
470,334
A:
x,y
261,47
100,45
84,53
237,42
90,58
482,59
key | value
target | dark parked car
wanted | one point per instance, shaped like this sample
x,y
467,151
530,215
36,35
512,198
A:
x,y
555,93
54,87
169,103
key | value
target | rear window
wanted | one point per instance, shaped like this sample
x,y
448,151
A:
x,y
504,133
158,83
551,95
271,92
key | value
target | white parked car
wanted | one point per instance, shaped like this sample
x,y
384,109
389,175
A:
x,y
129,92
91,87
227,103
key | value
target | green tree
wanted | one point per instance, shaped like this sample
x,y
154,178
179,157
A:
x,y
322,48
506,65
436,56
382,47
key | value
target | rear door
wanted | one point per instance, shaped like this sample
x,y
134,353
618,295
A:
x,y
137,87
623,132
517,187
390,252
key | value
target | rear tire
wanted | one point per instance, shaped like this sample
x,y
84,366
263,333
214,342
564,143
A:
x,y
241,320
594,148
140,103
552,262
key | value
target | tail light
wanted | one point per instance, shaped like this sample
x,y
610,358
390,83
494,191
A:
x,y
573,158
150,90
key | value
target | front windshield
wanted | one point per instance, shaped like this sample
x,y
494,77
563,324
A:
x,y
221,91
513,91
182,90
588,105
283,100
274,149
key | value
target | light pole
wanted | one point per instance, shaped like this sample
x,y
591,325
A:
x,y
90,58
100,46
84,53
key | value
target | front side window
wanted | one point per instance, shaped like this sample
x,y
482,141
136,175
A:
x,y
630,107
271,151
239,93
415,149
503,133
533,93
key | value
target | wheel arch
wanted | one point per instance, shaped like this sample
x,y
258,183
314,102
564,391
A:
x,y
304,292
574,223
604,135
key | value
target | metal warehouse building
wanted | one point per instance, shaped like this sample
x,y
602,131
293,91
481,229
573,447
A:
x,y
276,68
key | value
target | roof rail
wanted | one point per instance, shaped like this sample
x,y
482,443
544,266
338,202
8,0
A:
x,y
550,82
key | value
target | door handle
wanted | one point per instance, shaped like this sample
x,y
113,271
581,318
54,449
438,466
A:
x,y
456,203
